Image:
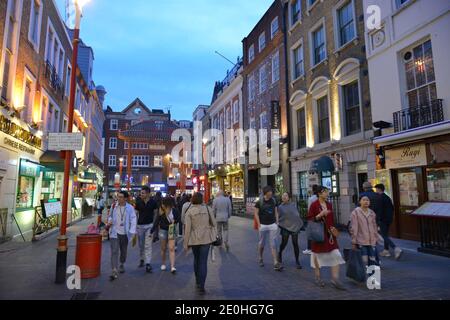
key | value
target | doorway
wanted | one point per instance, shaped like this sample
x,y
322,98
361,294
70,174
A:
x,y
409,196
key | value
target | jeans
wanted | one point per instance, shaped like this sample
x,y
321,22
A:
x,y
145,242
384,229
118,244
222,229
201,253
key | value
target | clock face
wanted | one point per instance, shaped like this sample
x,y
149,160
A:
x,y
378,38
137,111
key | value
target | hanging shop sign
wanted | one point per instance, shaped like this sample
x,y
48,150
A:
x,y
276,115
16,131
407,157
29,169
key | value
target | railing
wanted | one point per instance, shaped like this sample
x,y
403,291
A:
x,y
3,219
302,205
52,75
416,117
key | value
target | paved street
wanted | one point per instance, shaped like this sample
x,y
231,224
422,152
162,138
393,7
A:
x,y
27,272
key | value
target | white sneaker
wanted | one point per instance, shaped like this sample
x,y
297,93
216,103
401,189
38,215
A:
x,y
398,253
307,252
163,267
385,253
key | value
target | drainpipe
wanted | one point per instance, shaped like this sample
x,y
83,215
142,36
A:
x,y
284,5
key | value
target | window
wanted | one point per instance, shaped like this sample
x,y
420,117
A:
x,y
54,53
140,161
56,125
352,108
346,24
252,123
318,37
65,124
228,118
251,88
50,117
276,67
158,161
400,3
112,161
113,143
114,124
262,79
324,119
251,53
437,182
303,186
28,100
68,79
295,11
11,26
311,3
35,23
262,41
301,124
299,69
274,28
236,111
420,76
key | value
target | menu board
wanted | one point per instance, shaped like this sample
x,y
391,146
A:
x,y
52,208
434,209
409,195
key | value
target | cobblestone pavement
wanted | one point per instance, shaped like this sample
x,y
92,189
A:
x,y
27,271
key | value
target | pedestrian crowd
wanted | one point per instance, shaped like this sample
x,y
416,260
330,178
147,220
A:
x,y
204,227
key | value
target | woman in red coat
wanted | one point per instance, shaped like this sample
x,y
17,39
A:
x,y
325,254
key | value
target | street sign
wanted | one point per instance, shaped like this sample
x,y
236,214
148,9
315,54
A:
x,y
65,141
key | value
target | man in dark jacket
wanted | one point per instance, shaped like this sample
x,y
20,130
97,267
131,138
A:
x,y
386,219
375,200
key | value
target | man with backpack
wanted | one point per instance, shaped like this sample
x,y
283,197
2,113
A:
x,y
266,216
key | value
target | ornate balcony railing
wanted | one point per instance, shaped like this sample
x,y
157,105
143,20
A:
x,y
417,117
52,75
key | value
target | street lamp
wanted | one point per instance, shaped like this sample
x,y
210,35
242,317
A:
x,y
61,257
206,181
120,171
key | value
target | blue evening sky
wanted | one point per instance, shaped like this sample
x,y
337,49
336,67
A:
x,y
163,51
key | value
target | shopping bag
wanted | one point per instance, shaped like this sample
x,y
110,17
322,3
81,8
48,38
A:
x,y
316,231
356,269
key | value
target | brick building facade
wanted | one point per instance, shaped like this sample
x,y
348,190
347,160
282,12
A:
x,y
264,92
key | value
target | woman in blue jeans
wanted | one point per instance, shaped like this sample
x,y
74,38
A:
x,y
200,233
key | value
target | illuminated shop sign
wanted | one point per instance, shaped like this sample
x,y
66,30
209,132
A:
x,y
12,129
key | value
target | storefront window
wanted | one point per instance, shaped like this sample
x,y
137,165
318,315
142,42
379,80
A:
x,y
438,182
25,193
409,195
330,180
303,184
384,177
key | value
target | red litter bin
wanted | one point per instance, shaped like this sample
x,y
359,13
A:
x,y
89,255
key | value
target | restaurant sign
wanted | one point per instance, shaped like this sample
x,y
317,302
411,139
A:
x,y
16,131
407,157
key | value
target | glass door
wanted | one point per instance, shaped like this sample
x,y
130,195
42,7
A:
x,y
409,199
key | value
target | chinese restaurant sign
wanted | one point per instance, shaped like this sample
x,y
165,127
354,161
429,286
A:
x,y
407,157
19,133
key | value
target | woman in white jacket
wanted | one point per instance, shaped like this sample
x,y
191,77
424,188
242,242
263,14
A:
x,y
122,228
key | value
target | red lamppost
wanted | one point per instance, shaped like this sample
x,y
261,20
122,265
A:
x,y
61,257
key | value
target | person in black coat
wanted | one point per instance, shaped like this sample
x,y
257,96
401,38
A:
x,y
385,221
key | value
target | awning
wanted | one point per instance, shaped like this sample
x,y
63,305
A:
x,y
322,164
52,160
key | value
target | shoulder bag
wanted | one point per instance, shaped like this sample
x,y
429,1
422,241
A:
x,y
214,234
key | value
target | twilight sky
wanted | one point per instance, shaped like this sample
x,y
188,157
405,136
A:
x,y
163,51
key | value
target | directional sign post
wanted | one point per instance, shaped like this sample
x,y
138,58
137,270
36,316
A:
x,y
65,141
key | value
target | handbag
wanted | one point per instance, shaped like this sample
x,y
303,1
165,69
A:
x,y
355,267
214,234
315,231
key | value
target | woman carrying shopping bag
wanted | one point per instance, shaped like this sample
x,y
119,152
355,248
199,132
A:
x,y
325,253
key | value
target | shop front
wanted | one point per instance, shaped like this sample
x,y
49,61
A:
x,y
415,173
343,172
20,178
